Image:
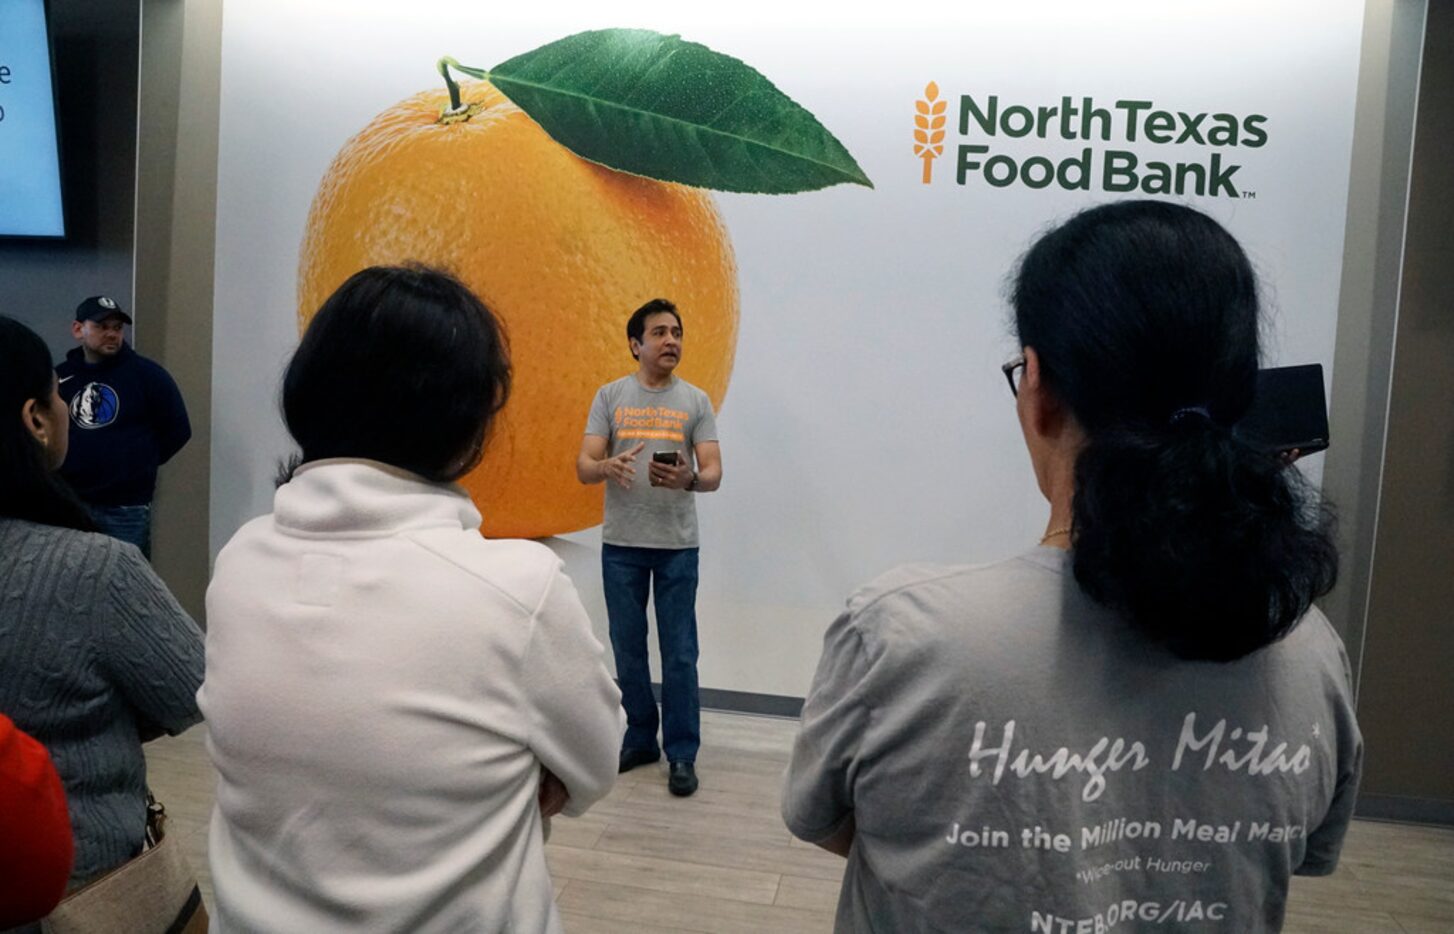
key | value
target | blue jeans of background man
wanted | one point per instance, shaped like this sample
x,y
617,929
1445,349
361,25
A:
x,y
128,523
628,574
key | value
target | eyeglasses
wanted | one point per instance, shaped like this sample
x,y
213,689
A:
x,y
1014,363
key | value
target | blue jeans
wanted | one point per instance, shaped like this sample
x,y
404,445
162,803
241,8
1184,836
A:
x,y
628,573
129,523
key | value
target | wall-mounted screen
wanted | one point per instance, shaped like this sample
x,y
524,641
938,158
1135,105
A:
x,y
30,168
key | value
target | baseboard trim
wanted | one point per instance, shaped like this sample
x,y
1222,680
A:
x,y
1405,810
763,705
769,705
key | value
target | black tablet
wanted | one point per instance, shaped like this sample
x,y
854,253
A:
x,y
1289,411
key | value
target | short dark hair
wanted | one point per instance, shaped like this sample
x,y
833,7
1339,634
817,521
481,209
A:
x,y
29,489
636,324
1145,317
403,365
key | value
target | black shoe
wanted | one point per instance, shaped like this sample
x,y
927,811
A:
x,y
631,758
683,780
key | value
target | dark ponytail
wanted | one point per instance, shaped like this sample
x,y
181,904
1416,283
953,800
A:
x,y
29,490
1145,318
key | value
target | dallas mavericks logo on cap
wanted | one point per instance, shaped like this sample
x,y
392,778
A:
x,y
96,406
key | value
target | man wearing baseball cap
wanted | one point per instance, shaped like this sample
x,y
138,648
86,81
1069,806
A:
x,y
127,419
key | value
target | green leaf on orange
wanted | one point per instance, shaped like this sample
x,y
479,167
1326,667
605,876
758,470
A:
x,y
658,106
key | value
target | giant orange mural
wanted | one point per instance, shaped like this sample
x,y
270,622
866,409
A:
x,y
566,187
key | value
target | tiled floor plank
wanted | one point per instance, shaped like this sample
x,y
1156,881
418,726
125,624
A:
x,y
643,862
695,913
662,875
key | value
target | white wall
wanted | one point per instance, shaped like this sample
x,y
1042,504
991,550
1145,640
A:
x,y
867,422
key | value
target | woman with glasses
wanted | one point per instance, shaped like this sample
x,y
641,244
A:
x,y
1143,720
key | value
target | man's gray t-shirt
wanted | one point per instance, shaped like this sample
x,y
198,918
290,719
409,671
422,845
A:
x,y
1017,758
676,418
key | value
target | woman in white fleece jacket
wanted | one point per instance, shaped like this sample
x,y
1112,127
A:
x,y
395,703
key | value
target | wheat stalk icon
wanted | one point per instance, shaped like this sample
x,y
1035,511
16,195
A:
x,y
929,128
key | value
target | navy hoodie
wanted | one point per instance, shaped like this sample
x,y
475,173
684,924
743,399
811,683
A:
x,y
127,419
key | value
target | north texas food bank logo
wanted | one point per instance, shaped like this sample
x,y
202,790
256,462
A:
x,y
1177,152
929,129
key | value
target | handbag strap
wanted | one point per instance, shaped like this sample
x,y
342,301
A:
x,y
156,820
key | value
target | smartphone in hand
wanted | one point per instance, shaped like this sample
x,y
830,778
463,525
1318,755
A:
x,y
665,457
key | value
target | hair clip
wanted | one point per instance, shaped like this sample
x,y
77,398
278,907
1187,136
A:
x,y
1189,411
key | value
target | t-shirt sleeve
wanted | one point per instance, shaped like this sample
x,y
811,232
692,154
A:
x,y
704,426
576,720
153,651
818,790
1325,843
599,421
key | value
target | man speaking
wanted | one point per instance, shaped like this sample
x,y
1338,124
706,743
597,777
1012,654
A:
x,y
654,436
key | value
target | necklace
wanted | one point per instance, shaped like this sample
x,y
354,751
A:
x,y
1064,530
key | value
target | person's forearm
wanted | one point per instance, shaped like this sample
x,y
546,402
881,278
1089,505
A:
x,y
589,470
169,447
171,434
709,480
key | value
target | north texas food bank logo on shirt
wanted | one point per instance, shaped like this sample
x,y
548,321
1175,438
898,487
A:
x,y
1195,152
650,422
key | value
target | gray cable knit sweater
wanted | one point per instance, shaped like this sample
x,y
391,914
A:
x,y
94,654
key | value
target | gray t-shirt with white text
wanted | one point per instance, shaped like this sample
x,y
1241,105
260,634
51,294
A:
x,y
676,418
1017,758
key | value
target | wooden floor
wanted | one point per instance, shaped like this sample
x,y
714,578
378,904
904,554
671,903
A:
x,y
721,861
